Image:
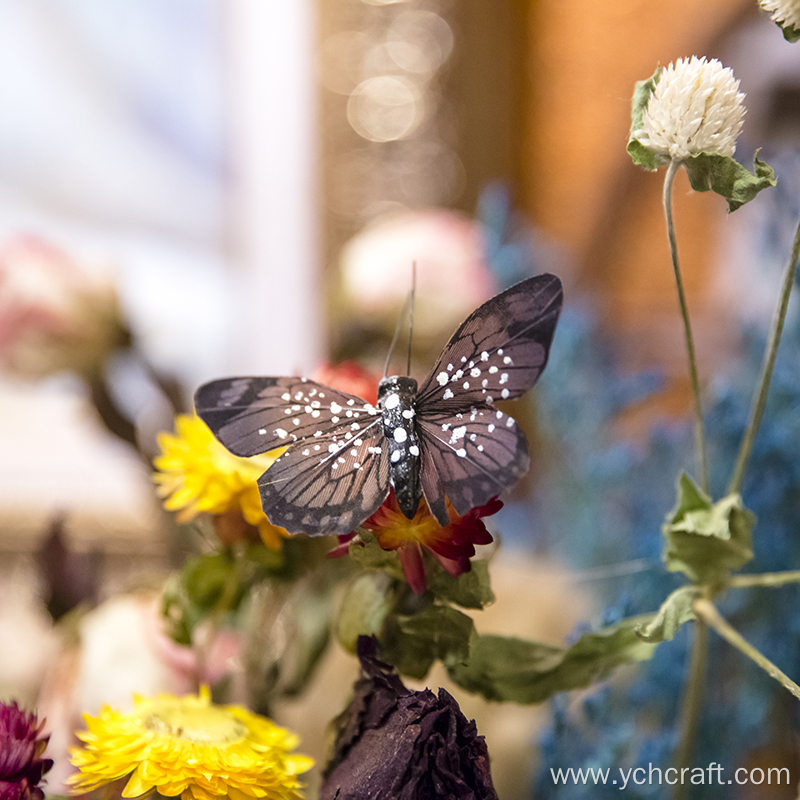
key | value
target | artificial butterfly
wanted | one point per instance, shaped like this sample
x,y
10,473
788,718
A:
x,y
445,438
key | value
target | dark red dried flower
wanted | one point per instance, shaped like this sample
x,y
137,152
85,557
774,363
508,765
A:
x,y
396,743
21,749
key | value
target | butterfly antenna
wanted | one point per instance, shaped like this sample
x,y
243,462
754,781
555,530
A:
x,y
396,334
411,315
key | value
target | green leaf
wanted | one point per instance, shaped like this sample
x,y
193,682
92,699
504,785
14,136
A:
x,y
641,156
413,642
364,608
726,177
510,669
366,551
706,540
469,590
205,578
208,583
674,612
790,33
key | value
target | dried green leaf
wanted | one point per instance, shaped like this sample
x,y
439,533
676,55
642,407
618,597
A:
x,y
520,671
706,540
673,613
641,155
411,643
728,178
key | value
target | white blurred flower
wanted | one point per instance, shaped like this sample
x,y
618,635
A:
x,y
785,12
55,313
696,108
122,648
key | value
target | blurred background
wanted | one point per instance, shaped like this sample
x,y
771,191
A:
x,y
197,188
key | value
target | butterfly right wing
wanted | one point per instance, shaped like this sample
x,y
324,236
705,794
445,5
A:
x,y
498,352
469,457
328,484
253,415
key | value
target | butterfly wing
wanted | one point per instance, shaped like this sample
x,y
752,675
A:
x,y
470,450
469,457
253,415
328,484
499,350
336,473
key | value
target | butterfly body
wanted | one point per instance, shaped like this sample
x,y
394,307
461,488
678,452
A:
x,y
442,440
396,396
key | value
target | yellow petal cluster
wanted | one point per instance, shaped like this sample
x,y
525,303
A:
x,y
197,475
190,747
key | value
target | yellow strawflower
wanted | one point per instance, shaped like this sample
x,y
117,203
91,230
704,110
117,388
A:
x,y
189,747
197,475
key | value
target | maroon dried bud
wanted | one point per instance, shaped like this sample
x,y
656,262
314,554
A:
x,y
406,745
21,749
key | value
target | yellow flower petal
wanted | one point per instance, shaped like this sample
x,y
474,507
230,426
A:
x,y
197,475
190,747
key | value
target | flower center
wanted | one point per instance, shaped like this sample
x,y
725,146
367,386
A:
x,y
206,725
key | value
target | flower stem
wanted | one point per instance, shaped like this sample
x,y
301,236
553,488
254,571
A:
x,y
707,612
760,395
771,579
699,429
690,705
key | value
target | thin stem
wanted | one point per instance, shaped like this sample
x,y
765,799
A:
x,y
699,428
707,611
762,388
771,579
691,703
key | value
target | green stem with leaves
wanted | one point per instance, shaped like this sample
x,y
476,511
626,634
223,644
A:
x,y
767,367
707,612
699,430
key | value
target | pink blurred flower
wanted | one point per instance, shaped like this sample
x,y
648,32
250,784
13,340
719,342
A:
x,y
54,313
452,275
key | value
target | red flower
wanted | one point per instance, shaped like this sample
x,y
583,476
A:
x,y
452,545
350,377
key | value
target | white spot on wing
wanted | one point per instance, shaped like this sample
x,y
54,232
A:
x,y
458,433
400,435
442,378
280,433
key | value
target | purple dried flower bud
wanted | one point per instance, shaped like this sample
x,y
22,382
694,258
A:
x,y
21,749
406,745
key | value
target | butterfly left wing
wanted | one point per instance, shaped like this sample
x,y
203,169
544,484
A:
x,y
470,457
335,473
328,484
253,415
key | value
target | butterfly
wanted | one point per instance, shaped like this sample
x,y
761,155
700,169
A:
x,y
443,439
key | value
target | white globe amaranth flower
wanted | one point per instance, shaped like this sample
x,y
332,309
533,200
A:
x,y
696,108
784,12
